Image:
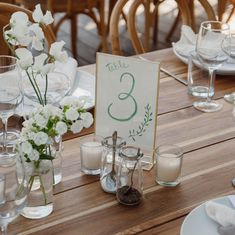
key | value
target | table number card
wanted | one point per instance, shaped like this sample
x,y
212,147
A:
x,y
126,100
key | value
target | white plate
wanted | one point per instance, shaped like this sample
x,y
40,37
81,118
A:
x,y
198,223
226,69
84,85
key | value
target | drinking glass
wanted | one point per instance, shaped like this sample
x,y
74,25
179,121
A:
x,y
10,97
228,47
210,53
13,190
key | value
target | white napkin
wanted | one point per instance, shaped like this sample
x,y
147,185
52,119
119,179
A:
x,y
69,68
221,214
187,42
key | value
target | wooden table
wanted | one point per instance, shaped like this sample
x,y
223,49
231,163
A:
x,y
80,205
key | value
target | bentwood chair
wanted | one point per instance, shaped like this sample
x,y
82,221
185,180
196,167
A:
x,y
205,7
139,47
6,10
72,8
222,8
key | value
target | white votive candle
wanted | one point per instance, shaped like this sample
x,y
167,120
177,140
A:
x,y
91,155
168,167
169,162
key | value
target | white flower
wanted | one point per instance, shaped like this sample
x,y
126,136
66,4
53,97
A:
x,y
38,37
87,119
40,138
25,57
71,101
31,135
57,53
19,35
19,17
37,31
26,147
39,61
40,120
61,128
34,155
28,124
55,111
40,18
40,65
19,32
72,114
37,44
76,127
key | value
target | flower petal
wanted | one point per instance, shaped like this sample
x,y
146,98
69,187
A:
x,y
19,17
25,57
37,13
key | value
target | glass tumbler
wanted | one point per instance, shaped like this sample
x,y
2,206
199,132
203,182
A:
x,y
198,78
169,160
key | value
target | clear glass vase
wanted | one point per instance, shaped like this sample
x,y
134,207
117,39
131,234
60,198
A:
x,y
40,180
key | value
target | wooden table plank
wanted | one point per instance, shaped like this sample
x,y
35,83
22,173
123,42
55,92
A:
x,y
211,168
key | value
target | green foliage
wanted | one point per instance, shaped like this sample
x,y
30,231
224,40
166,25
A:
x,y
143,125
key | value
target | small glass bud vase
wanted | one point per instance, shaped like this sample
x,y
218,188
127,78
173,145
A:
x,y
109,163
40,181
130,177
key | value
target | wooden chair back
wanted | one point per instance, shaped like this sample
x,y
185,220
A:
x,y
208,9
138,46
92,8
6,10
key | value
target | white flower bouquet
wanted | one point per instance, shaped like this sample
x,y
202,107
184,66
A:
x,y
46,121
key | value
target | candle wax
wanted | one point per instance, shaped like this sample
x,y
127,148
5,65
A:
x,y
91,155
168,167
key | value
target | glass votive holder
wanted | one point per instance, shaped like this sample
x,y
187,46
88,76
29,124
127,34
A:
x,y
169,160
91,151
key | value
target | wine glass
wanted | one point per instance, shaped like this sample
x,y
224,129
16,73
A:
x,y
228,47
13,190
10,98
210,54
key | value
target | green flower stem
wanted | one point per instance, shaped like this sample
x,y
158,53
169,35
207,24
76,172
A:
x,y
43,190
45,93
39,92
40,101
30,182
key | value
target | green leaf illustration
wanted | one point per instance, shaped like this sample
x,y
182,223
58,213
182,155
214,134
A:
x,y
143,125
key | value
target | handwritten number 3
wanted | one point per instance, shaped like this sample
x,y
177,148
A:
x,y
124,96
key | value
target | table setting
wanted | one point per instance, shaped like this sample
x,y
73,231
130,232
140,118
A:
x,y
154,164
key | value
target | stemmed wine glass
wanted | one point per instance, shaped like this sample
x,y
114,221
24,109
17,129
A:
x,y
10,97
210,54
13,190
228,47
